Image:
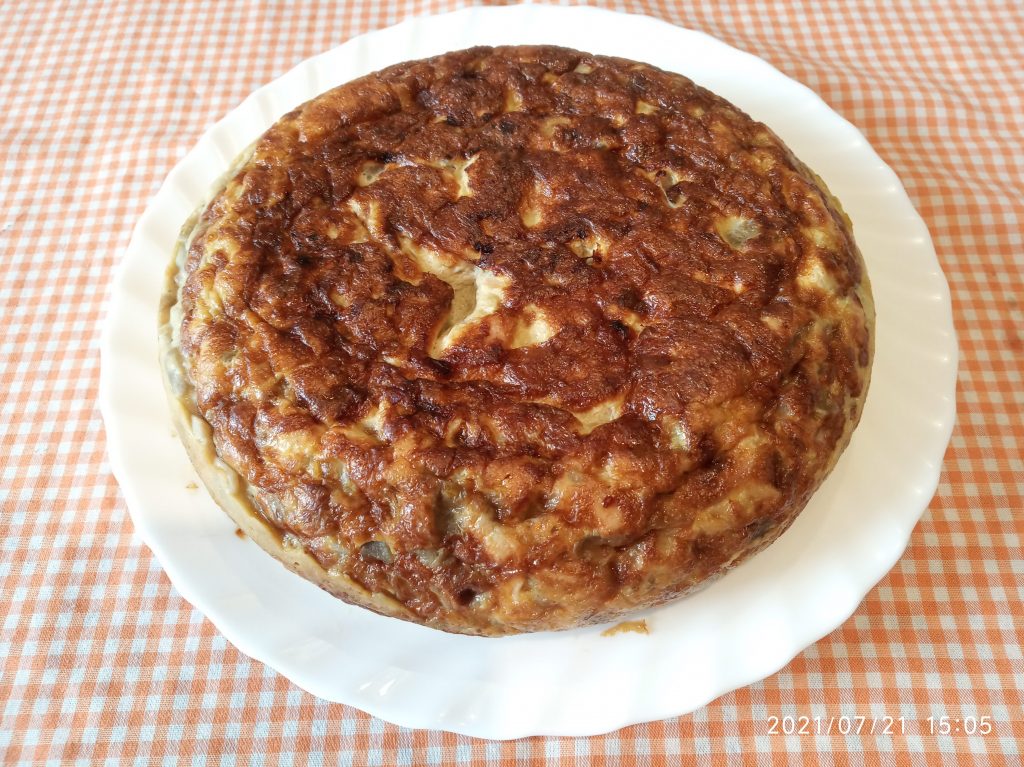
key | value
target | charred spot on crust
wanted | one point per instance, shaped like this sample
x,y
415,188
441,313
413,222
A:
x,y
442,368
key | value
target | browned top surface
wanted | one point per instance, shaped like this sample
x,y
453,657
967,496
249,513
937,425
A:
x,y
509,324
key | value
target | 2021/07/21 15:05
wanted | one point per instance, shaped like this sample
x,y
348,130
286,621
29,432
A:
x,y
883,725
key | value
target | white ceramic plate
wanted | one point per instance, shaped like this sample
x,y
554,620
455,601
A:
x,y
742,628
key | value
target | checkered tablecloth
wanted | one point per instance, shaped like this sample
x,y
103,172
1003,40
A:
x,y
101,661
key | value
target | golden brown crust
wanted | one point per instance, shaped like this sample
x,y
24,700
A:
x,y
517,339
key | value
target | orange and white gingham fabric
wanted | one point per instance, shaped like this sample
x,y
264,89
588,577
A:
x,y
101,661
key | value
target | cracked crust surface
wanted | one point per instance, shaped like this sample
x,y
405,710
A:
x,y
516,339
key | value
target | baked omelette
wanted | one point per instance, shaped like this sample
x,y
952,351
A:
x,y
516,339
